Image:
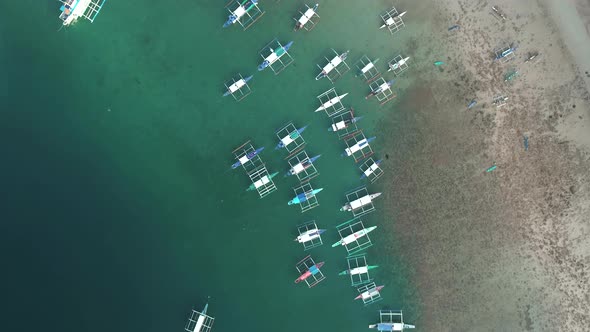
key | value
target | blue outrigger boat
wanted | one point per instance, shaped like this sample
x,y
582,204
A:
x,y
304,196
244,7
302,166
246,158
290,138
358,146
274,55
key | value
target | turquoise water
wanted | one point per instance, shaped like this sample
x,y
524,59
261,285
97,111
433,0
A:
x,y
123,213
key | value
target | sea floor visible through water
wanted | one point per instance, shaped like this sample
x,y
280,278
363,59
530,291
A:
x,y
120,167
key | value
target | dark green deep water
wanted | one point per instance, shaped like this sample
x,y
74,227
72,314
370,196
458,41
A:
x,y
123,220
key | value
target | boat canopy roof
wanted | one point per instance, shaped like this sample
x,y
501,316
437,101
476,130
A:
x,y
298,168
357,203
306,16
239,12
264,180
371,169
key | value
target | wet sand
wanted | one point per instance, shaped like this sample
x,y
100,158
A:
x,y
506,250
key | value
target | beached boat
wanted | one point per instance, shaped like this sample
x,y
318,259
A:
x,y
330,102
71,10
380,89
360,202
369,293
308,15
341,125
337,60
312,270
531,57
510,75
352,237
371,169
262,181
398,64
237,85
358,146
274,55
242,9
290,138
358,270
300,167
304,196
454,28
244,159
391,20
505,53
309,235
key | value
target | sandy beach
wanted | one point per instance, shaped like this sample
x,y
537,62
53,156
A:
x,y
509,249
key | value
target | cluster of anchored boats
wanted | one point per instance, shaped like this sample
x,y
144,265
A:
x,y
275,55
353,234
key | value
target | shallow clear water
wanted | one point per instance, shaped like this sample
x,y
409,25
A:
x,y
122,211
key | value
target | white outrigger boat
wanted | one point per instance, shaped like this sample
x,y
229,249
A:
x,y
71,10
358,146
306,17
331,102
335,62
360,202
398,64
246,13
309,235
354,236
237,85
390,321
368,67
391,20
199,321
275,55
